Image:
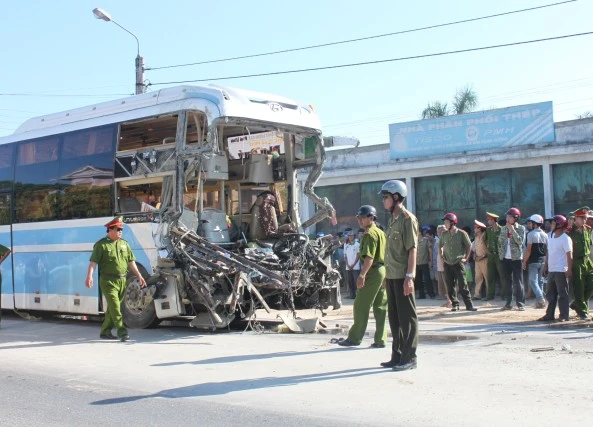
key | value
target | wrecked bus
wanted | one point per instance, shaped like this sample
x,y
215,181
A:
x,y
205,178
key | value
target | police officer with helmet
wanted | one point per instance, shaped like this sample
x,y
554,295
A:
x,y
400,263
455,247
370,293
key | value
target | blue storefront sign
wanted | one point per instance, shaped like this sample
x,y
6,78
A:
x,y
493,129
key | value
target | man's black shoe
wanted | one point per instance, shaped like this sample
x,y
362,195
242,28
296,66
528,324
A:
x,y
345,343
412,364
455,308
389,364
376,345
472,308
124,338
107,337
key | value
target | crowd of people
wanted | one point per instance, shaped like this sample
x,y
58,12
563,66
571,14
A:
x,y
547,259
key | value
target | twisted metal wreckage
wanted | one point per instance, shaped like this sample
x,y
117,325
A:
x,y
218,285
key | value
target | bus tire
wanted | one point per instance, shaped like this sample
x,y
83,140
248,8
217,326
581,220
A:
x,y
134,317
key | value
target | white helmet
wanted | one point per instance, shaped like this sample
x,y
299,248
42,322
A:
x,y
536,218
394,186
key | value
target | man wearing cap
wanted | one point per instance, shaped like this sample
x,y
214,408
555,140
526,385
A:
x,y
114,256
423,281
369,281
495,273
481,258
455,247
533,260
510,252
582,267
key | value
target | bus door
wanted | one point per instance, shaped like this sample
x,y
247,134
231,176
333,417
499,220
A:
x,y
6,277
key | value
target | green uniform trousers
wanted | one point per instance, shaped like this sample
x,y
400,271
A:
x,y
582,283
403,321
113,290
495,274
370,295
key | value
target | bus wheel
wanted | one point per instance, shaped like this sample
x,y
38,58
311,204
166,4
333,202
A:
x,y
136,314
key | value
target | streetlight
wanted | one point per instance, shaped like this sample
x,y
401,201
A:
x,y
140,87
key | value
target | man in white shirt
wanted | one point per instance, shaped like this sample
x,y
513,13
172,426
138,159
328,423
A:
x,y
352,263
558,264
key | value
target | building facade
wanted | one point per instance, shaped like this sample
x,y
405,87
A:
x,y
547,178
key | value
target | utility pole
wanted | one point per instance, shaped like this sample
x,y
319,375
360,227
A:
x,y
140,86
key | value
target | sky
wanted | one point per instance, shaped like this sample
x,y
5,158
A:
x,y
57,56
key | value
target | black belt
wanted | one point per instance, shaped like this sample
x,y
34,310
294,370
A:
x,y
377,265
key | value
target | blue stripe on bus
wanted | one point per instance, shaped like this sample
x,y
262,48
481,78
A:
x,y
61,273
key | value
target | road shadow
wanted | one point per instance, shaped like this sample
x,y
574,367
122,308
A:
x,y
17,332
262,356
225,387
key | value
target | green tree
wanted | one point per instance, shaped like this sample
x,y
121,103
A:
x,y
465,101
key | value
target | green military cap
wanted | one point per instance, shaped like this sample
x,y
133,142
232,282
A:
x,y
491,215
582,211
570,215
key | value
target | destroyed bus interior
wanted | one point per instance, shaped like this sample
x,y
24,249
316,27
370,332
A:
x,y
224,205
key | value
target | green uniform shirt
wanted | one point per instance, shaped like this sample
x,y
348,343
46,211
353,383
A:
x,y
373,245
454,246
491,239
402,235
581,242
422,256
112,257
3,250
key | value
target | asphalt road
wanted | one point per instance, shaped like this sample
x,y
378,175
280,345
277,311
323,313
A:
x,y
57,372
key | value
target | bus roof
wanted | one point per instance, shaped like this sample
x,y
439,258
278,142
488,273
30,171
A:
x,y
230,102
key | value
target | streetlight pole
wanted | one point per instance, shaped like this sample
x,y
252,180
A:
x,y
140,86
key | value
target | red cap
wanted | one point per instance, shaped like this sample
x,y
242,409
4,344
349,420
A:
x,y
118,221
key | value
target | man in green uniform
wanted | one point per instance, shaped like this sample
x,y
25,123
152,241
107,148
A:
x,y
400,263
4,252
455,248
495,273
114,256
372,273
582,267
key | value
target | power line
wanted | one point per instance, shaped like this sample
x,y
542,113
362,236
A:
x,y
463,21
381,61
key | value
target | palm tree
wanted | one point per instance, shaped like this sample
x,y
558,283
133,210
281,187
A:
x,y
437,109
465,101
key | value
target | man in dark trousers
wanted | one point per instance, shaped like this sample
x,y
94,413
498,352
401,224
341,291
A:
x,y
114,256
400,263
455,248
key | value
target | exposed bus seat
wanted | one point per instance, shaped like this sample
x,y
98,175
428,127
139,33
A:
x,y
213,226
129,204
